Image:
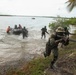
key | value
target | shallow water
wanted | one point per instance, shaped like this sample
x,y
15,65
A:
x,y
14,47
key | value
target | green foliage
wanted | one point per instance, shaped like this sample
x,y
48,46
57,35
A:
x,y
72,21
63,22
38,66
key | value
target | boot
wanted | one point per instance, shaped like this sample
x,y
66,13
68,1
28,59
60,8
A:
x,y
51,65
45,55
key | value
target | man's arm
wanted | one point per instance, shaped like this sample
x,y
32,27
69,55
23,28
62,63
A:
x,y
57,41
46,31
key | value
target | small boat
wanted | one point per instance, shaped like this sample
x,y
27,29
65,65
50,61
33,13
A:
x,y
33,18
18,31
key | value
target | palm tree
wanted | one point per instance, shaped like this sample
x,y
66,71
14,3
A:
x,y
71,4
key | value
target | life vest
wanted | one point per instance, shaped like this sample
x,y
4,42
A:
x,y
8,29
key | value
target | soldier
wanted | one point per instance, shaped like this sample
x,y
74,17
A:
x,y
8,29
24,32
67,33
20,27
44,31
52,45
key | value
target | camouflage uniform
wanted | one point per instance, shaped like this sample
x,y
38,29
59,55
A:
x,y
53,41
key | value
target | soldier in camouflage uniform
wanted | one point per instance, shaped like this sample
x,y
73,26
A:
x,y
52,45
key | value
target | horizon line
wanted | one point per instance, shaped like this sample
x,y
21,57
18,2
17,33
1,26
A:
x,y
34,16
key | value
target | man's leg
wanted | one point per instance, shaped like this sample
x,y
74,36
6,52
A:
x,y
41,35
55,57
44,36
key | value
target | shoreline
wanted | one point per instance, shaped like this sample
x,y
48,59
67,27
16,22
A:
x,y
16,64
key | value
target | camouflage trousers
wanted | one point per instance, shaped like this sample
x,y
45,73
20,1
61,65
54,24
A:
x,y
55,56
51,47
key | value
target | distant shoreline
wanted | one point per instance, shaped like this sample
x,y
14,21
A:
x,y
34,16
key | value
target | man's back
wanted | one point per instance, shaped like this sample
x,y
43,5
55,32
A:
x,y
43,30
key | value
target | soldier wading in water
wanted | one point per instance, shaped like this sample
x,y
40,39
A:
x,y
44,31
52,44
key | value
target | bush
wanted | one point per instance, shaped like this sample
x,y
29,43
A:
x,y
63,22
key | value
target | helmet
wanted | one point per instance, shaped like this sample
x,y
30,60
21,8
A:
x,y
60,29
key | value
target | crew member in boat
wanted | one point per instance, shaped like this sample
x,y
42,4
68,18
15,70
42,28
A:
x,y
8,29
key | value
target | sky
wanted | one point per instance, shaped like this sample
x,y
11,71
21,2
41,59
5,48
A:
x,y
36,8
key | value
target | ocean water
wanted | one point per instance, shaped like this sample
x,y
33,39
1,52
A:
x,y
33,25
36,23
14,47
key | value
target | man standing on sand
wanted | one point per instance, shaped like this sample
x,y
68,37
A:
x,y
44,31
